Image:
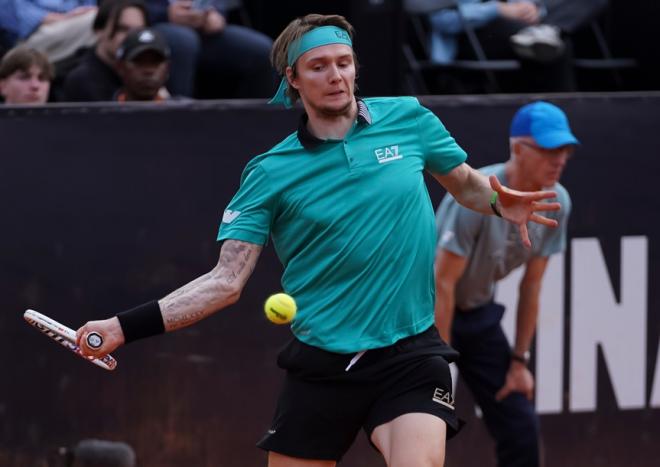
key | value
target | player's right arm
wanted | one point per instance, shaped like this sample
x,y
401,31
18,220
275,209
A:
x,y
449,268
213,291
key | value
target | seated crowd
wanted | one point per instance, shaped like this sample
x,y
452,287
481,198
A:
x,y
83,50
198,54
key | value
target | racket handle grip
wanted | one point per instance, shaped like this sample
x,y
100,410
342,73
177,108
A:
x,y
94,340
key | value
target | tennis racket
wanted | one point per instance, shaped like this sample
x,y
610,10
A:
x,y
67,338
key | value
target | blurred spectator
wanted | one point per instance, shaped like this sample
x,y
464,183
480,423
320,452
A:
x,y
546,62
563,17
210,58
58,28
143,65
99,453
25,76
95,78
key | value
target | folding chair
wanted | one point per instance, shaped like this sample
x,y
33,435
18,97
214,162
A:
x,y
416,12
606,61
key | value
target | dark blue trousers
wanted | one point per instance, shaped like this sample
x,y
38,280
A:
x,y
231,64
483,364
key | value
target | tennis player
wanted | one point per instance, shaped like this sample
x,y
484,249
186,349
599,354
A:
x,y
343,199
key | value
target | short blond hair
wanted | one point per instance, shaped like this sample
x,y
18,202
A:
x,y
293,32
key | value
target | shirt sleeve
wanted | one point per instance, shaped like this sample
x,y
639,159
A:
x,y
458,227
555,241
441,152
29,16
249,214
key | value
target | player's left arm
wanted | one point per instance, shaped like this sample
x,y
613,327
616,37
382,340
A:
x,y
445,160
468,186
475,191
519,378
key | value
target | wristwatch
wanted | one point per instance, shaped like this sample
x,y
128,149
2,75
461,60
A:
x,y
524,358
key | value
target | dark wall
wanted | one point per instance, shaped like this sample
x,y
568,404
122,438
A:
x,y
107,207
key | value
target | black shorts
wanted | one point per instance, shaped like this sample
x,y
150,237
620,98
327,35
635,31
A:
x,y
323,405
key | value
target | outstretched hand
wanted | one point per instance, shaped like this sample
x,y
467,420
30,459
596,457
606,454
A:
x,y
520,207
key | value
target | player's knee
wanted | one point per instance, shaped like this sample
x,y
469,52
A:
x,y
420,445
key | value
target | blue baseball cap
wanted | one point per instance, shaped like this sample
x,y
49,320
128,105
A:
x,y
546,123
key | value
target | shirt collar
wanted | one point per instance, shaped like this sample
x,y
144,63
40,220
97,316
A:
x,y
309,141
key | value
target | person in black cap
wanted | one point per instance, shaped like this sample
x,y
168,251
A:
x,y
143,65
96,78
474,253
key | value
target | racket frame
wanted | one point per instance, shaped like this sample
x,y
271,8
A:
x,y
66,337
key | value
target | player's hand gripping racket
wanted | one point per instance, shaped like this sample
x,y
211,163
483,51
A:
x,y
67,337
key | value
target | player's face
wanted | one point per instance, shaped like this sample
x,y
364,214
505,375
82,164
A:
x,y
544,167
325,79
26,87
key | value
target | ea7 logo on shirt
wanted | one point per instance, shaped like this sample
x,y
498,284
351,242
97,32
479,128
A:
x,y
387,154
444,397
229,216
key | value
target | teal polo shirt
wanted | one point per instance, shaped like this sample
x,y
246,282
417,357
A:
x,y
352,222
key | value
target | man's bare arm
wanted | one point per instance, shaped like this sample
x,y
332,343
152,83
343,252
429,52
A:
x,y
518,377
468,186
194,301
214,290
528,303
449,268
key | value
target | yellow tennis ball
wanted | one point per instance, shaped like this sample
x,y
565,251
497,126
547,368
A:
x,y
280,308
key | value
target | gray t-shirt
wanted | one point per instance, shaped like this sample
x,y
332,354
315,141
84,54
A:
x,y
492,245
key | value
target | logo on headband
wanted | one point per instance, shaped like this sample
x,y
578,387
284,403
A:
x,y
342,35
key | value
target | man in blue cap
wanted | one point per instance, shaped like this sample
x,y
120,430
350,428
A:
x,y
474,252
344,200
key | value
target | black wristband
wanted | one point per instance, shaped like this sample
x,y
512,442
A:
x,y
142,321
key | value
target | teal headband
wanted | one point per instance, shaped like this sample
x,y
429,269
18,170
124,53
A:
x,y
317,37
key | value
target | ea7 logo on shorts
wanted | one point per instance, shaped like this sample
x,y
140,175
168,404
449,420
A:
x,y
387,154
444,397
229,216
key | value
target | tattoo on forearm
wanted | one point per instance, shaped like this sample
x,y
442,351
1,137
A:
x,y
234,257
214,290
